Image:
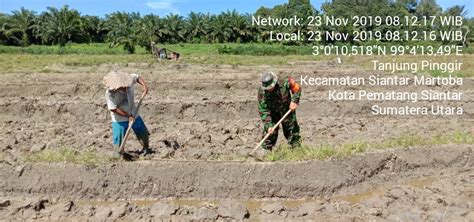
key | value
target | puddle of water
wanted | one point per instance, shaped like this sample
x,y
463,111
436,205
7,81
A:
x,y
254,205
359,197
423,182
149,202
379,191
296,203
194,202
143,202
251,205
140,202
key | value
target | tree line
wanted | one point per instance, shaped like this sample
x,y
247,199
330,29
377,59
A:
x,y
59,26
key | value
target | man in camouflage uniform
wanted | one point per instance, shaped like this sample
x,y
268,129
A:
x,y
275,98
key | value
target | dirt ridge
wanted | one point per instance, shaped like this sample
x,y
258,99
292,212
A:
x,y
220,179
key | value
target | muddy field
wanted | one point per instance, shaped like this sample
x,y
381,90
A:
x,y
201,111
198,113
429,184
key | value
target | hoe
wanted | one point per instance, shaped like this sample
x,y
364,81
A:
x,y
251,154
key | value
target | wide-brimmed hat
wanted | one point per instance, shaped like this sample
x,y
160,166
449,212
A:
x,y
117,79
269,80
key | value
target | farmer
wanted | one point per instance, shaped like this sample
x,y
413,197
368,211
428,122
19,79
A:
x,y
120,101
275,98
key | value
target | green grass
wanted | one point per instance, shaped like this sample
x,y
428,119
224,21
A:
x,y
52,59
55,63
325,151
184,49
257,49
87,49
67,155
282,153
51,63
263,49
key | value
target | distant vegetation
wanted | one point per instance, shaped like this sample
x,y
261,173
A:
x,y
62,26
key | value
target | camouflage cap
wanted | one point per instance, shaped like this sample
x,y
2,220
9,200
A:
x,y
269,80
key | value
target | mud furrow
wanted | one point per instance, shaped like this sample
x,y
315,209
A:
x,y
193,179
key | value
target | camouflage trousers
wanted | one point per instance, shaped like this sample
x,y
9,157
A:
x,y
291,130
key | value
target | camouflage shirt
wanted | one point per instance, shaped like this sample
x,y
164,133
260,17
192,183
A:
x,y
278,101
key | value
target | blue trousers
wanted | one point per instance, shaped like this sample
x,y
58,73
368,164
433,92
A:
x,y
120,128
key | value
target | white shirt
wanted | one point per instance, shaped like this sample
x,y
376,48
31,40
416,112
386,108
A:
x,y
122,99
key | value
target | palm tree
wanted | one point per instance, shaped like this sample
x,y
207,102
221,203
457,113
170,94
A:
x,y
240,28
122,30
3,37
221,30
428,8
92,27
457,10
150,30
19,25
58,26
174,28
197,26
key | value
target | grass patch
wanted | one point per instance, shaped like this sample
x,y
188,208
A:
x,y
73,48
325,151
67,155
28,63
264,49
282,153
40,58
285,153
184,49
